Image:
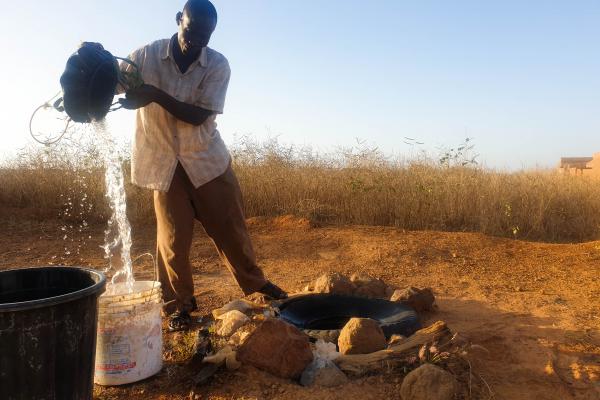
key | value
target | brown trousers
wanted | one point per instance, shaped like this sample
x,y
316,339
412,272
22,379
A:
x,y
218,206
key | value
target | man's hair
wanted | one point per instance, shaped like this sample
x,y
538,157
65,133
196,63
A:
x,y
201,7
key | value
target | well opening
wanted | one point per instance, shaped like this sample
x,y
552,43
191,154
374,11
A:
x,y
330,312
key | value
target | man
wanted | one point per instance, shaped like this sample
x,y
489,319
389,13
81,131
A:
x,y
179,153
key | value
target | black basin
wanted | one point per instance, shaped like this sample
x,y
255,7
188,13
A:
x,y
331,312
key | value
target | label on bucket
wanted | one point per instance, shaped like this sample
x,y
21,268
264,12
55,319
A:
x,y
116,352
129,352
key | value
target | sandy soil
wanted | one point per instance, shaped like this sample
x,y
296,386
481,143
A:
x,y
535,307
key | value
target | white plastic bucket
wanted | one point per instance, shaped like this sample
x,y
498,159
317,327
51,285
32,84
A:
x,y
129,342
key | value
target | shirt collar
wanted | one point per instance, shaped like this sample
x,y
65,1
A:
x,y
167,52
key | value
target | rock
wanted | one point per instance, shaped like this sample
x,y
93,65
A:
x,y
369,287
323,373
359,279
258,298
231,321
330,336
419,299
389,292
241,305
429,382
238,305
278,348
227,356
238,338
334,283
395,339
325,351
258,318
361,336
231,362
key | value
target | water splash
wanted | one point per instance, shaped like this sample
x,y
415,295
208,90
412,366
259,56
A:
x,y
75,209
117,237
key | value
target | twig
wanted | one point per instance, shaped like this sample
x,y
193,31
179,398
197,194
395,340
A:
x,y
470,378
555,369
486,385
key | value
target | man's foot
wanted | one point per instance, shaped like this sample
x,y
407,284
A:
x,y
273,291
179,321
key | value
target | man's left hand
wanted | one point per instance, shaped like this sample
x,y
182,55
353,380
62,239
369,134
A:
x,y
140,97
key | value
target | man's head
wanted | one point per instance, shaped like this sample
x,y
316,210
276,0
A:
x,y
196,24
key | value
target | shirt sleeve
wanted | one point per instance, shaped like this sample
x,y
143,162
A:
x,y
213,88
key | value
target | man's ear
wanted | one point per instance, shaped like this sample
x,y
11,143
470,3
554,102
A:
x,y
178,17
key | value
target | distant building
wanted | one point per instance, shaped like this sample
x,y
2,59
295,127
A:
x,y
580,165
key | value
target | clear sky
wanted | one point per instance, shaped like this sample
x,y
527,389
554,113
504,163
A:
x,y
520,77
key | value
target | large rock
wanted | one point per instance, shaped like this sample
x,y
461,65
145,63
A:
x,y
419,299
429,382
323,373
334,283
361,336
278,348
367,286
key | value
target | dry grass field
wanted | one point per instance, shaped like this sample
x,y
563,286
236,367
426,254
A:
x,y
485,241
353,186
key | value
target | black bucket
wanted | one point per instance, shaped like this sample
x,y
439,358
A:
x,y
48,319
89,83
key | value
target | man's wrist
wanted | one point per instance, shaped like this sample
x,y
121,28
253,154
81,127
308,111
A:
x,y
160,97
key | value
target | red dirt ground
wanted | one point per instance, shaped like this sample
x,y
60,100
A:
x,y
535,307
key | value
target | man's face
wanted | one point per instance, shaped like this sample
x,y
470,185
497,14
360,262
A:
x,y
194,32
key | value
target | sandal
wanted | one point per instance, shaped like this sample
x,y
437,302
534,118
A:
x,y
179,321
194,305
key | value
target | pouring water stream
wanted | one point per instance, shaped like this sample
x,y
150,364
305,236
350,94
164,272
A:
x,y
118,232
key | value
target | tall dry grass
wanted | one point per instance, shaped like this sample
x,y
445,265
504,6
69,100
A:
x,y
353,186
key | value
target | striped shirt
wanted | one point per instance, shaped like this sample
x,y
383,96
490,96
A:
x,y
161,140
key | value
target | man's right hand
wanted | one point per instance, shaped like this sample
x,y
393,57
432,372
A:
x,y
140,97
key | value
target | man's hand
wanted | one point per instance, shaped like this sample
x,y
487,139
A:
x,y
140,97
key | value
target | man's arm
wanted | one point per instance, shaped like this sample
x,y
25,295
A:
x,y
146,94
